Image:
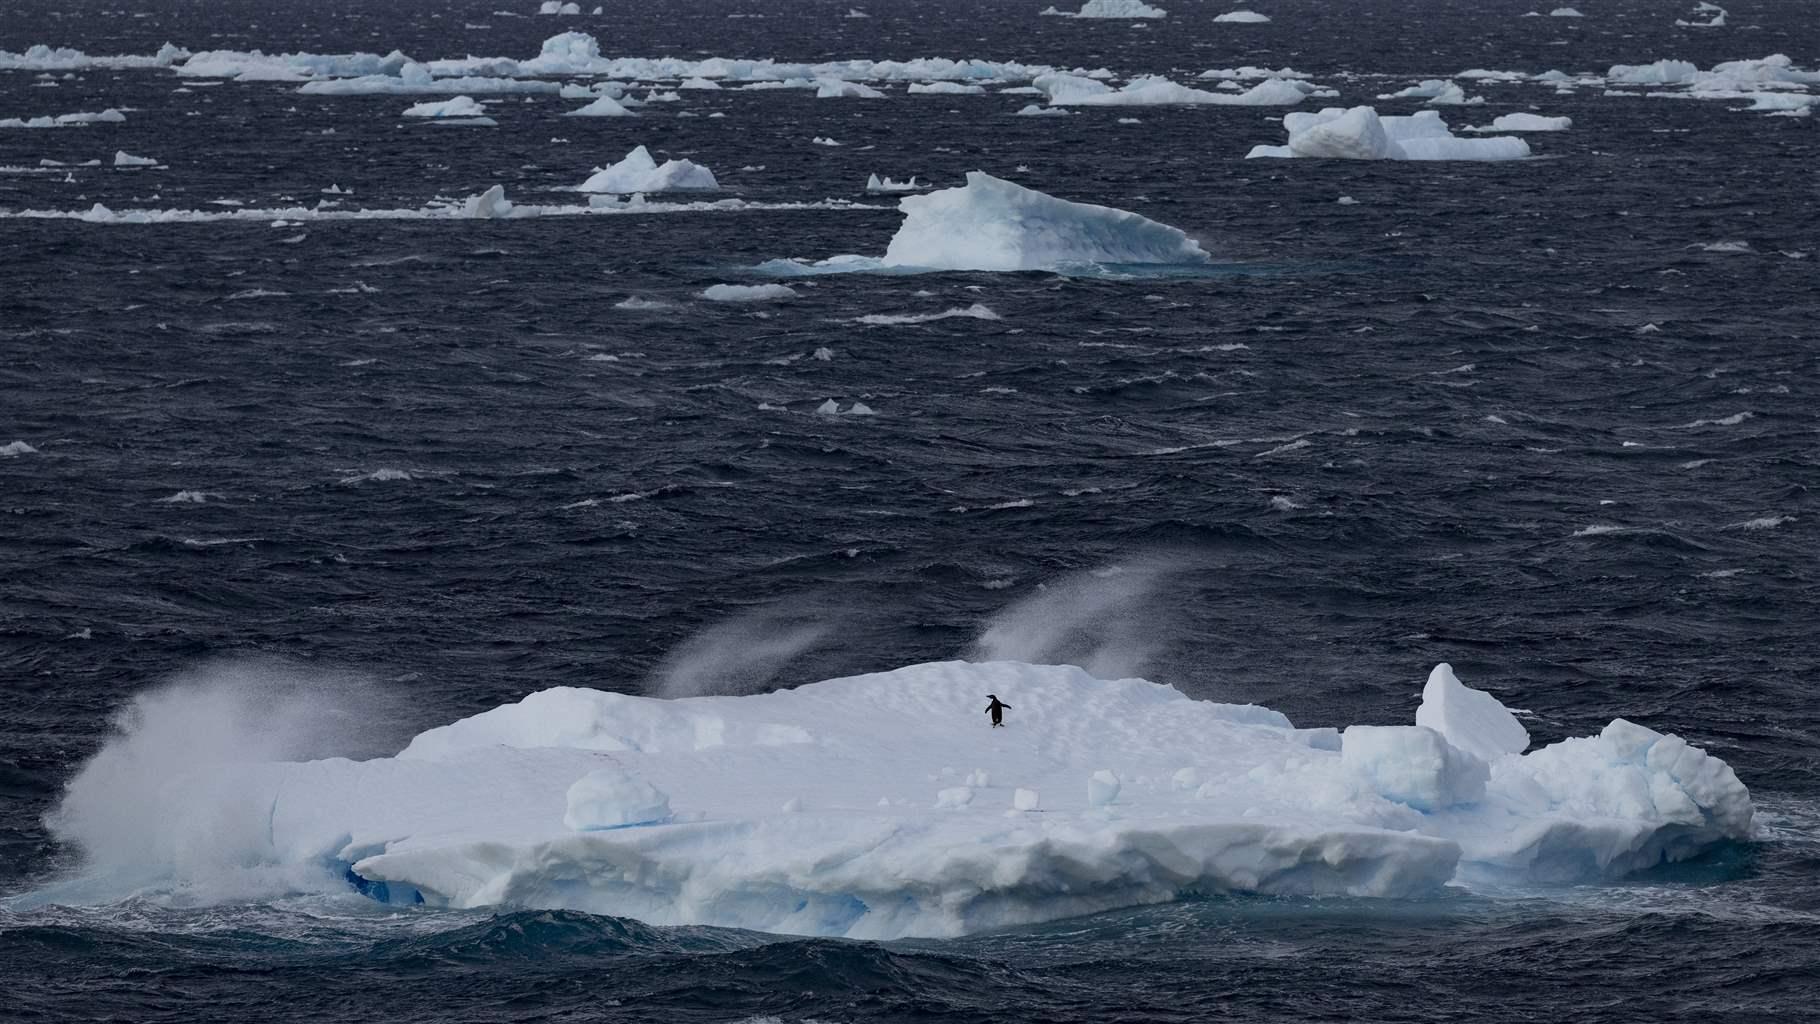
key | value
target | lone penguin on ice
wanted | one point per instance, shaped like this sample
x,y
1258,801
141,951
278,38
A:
x,y
996,709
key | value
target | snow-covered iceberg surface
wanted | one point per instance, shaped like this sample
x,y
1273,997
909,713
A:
x,y
885,805
1361,134
993,224
638,172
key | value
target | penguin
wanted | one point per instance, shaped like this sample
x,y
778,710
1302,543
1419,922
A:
x,y
997,710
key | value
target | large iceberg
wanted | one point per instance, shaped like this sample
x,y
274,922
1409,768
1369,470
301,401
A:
x,y
638,172
1361,134
885,805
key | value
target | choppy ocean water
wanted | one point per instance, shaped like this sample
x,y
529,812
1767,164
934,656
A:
x,y
1541,420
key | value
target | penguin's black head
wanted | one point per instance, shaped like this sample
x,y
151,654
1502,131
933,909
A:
x,y
992,696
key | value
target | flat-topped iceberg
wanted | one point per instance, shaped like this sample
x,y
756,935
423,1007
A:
x,y
1361,134
885,805
638,172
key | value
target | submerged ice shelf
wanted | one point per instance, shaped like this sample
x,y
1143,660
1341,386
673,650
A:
x,y
885,805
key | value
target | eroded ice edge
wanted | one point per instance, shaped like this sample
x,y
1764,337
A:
x,y
883,806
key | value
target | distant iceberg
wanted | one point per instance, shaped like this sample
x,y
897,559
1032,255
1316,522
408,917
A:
x,y
1361,134
884,806
1243,18
108,116
874,183
460,106
1117,9
638,172
603,106
1078,91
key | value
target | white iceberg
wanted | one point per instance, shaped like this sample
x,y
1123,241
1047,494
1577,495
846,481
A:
x,y
1361,134
820,810
108,116
874,183
1437,91
748,292
1565,12
1715,19
489,205
835,88
638,172
1078,91
944,89
993,224
1523,122
1119,9
124,159
460,106
1243,18
603,106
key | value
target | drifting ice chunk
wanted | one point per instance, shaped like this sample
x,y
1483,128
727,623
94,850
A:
x,y
1360,134
1119,9
748,292
1412,765
1565,12
1102,788
945,89
1243,18
835,88
992,224
1526,123
874,183
460,106
638,172
605,106
108,116
614,798
124,159
488,205
1074,90
1470,719
1662,72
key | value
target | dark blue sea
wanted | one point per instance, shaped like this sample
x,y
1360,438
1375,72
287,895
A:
x,y
1553,421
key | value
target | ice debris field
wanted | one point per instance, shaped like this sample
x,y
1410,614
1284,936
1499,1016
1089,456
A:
x,y
471,93
885,805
